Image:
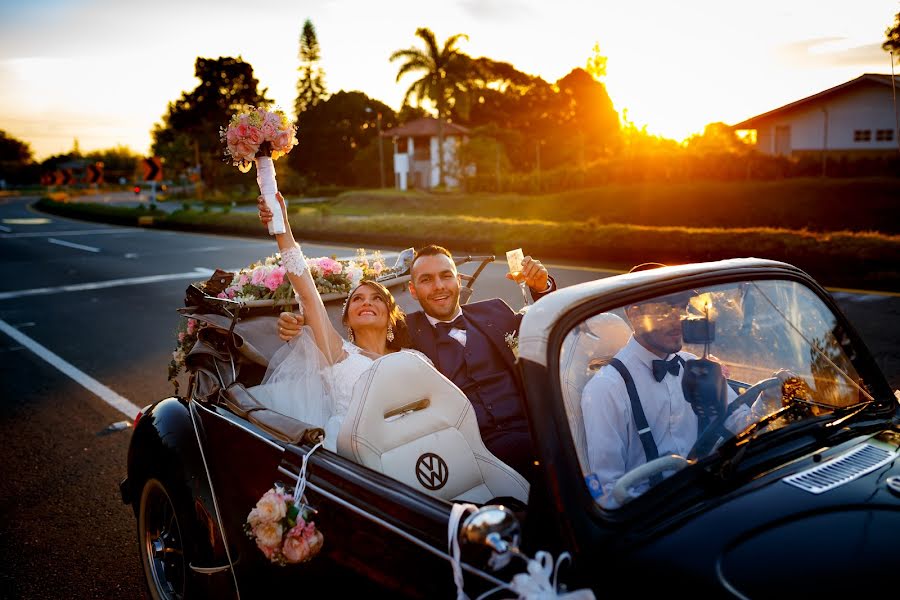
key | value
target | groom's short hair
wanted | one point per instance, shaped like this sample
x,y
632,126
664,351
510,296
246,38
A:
x,y
430,250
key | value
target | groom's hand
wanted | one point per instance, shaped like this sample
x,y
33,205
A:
x,y
289,325
536,275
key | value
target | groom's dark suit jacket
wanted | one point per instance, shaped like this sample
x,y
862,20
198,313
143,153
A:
x,y
485,371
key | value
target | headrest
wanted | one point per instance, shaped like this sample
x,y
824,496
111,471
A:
x,y
609,327
398,388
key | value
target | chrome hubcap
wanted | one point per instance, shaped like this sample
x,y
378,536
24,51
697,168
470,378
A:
x,y
163,546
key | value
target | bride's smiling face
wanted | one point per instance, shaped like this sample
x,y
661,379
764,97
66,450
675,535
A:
x,y
367,309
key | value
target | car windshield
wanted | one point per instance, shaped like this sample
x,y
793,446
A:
x,y
675,375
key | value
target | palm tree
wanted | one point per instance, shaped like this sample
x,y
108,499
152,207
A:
x,y
445,79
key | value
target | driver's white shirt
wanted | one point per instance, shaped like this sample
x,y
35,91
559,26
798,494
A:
x,y
613,444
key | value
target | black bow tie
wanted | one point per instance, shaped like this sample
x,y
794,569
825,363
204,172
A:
x,y
661,367
457,323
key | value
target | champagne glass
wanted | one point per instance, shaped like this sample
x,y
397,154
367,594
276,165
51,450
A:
x,y
514,259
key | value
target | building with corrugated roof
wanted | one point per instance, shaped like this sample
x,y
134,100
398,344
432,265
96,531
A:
x,y
856,118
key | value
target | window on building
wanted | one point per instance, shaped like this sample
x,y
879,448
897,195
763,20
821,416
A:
x,y
884,135
862,135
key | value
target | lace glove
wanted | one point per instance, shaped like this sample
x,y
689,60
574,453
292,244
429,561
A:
x,y
293,260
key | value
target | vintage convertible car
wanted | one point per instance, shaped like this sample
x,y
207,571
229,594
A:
x,y
798,497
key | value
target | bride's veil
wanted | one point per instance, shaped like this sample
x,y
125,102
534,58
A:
x,y
297,381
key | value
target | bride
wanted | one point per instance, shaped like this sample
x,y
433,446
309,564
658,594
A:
x,y
311,378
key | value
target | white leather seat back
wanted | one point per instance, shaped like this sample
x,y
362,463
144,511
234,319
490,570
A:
x,y
411,423
584,350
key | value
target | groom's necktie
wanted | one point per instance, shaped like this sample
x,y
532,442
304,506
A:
x,y
661,367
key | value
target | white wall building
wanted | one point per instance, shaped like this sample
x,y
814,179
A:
x,y
416,163
858,116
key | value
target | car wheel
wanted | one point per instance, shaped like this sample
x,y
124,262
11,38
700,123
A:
x,y
161,535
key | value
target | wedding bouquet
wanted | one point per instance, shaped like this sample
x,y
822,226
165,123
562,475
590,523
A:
x,y
257,135
282,529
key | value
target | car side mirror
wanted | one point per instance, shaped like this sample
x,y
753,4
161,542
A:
x,y
494,527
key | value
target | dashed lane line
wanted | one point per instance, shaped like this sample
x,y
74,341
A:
x,y
73,245
197,273
112,398
65,232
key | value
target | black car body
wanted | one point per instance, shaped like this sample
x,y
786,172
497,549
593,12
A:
x,y
736,521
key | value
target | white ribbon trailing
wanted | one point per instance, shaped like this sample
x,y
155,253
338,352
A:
x,y
539,582
301,479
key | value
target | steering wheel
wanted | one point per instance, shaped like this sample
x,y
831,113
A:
x,y
711,434
657,466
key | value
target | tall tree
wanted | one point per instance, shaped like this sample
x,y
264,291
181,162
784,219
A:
x,y
445,81
311,84
892,44
190,128
15,160
590,118
332,134
13,150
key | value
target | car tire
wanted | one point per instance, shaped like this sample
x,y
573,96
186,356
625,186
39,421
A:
x,y
163,540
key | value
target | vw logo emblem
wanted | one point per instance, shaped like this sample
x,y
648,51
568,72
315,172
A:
x,y
431,471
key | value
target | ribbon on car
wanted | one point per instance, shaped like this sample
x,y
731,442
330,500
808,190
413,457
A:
x,y
534,584
301,478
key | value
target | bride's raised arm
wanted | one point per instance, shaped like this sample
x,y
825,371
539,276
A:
x,y
328,340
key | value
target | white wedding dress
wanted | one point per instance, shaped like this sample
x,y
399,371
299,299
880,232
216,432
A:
x,y
300,383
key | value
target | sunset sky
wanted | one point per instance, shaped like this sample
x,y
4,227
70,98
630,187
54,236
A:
x,y
102,71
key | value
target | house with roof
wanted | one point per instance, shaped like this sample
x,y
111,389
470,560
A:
x,y
856,118
416,162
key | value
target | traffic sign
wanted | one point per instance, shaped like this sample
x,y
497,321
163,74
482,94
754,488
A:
x,y
94,173
152,168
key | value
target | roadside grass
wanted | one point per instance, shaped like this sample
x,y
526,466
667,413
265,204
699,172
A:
x,y
839,258
816,204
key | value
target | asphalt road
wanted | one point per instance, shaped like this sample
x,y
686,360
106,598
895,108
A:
x,y
83,302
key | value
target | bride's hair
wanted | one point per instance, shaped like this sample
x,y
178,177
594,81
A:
x,y
396,317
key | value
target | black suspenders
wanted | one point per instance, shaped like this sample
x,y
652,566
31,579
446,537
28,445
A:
x,y
640,419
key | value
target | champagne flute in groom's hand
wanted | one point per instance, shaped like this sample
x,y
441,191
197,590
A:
x,y
514,259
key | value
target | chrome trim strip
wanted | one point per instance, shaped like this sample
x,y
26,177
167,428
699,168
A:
x,y
394,529
209,570
212,490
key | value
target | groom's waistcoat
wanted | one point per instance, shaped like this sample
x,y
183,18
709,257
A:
x,y
484,369
480,372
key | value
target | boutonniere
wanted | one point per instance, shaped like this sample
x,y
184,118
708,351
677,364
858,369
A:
x,y
512,340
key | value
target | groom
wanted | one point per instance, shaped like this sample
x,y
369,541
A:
x,y
468,345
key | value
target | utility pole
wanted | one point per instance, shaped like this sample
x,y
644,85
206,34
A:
x,y
380,152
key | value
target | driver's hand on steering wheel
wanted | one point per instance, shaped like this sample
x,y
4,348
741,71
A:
x,y
774,394
289,325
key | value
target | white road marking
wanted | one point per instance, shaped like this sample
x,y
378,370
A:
x,y
199,272
64,232
118,402
72,245
5,229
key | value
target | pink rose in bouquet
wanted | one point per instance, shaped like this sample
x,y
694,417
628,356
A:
x,y
282,530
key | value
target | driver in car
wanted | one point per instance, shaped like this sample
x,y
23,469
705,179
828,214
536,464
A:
x,y
635,409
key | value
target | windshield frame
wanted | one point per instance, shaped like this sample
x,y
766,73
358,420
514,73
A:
x,y
663,501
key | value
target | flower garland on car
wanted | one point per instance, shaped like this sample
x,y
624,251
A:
x,y
266,280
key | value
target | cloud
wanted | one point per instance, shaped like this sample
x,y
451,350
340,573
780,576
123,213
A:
x,y
826,52
495,10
